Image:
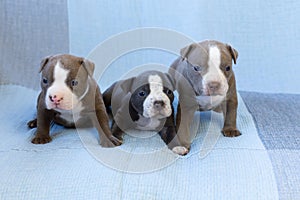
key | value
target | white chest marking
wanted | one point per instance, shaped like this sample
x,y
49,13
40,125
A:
x,y
71,116
147,124
209,102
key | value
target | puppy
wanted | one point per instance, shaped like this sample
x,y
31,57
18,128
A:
x,y
206,67
70,97
143,102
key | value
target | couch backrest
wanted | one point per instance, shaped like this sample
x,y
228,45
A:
x,y
29,31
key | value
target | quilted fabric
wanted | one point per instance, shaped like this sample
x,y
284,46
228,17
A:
x,y
70,166
261,164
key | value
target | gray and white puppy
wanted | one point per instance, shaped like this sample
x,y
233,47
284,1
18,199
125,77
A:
x,y
207,68
70,97
143,102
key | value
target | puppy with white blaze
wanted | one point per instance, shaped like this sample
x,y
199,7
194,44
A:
x,y
70,97
205,81
144,103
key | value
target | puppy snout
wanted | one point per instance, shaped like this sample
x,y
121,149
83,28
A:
x,y
159,105
214,86
56,98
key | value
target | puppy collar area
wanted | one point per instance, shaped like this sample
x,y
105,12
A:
x,y
85,92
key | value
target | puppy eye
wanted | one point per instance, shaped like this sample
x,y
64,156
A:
x,y
168,92
197,68
45,81
228,68
142,93
74,82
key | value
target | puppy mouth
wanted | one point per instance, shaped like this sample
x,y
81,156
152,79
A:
x,y
212,94
159,114
58,106
162,115
207,92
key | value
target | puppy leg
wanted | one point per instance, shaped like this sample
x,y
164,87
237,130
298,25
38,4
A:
x,y
184,119
43,127
168,132
116,131
100,121
230,113
168,135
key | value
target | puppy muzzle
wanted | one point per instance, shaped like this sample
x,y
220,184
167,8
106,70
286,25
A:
x,y
158,109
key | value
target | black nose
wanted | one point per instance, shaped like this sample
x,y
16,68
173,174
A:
x,y
158,104
214,86
55,98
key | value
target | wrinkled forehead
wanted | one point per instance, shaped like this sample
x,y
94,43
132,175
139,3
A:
x,y
70,64
153,78
200,55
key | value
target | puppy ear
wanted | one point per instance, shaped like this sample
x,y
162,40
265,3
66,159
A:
x,y
44,62
126,84
89,66
186,50
233,52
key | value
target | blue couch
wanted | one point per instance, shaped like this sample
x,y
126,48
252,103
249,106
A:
x,y
263,163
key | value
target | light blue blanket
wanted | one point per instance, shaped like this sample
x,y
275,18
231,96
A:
x,y
73,166
70,167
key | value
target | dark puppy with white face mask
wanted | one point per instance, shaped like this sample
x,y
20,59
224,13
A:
x,y
70,97
143,102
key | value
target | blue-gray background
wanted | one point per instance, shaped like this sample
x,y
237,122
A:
x,y
265,33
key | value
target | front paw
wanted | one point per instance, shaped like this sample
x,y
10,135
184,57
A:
x,y
231,132
32,123
41,139
115,141
112,141
180,150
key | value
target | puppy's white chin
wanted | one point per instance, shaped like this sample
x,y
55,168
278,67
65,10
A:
x,y
206,93
161,116
65,107
167,112
158,114
59,107
210,102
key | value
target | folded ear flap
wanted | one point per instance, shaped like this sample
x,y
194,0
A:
x,y
44,62
126,84
233,52
89,66
186,50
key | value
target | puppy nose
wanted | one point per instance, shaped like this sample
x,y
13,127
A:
x,y
214,86
55,98
158,104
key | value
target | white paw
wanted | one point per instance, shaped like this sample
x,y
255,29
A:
x,y
180,150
